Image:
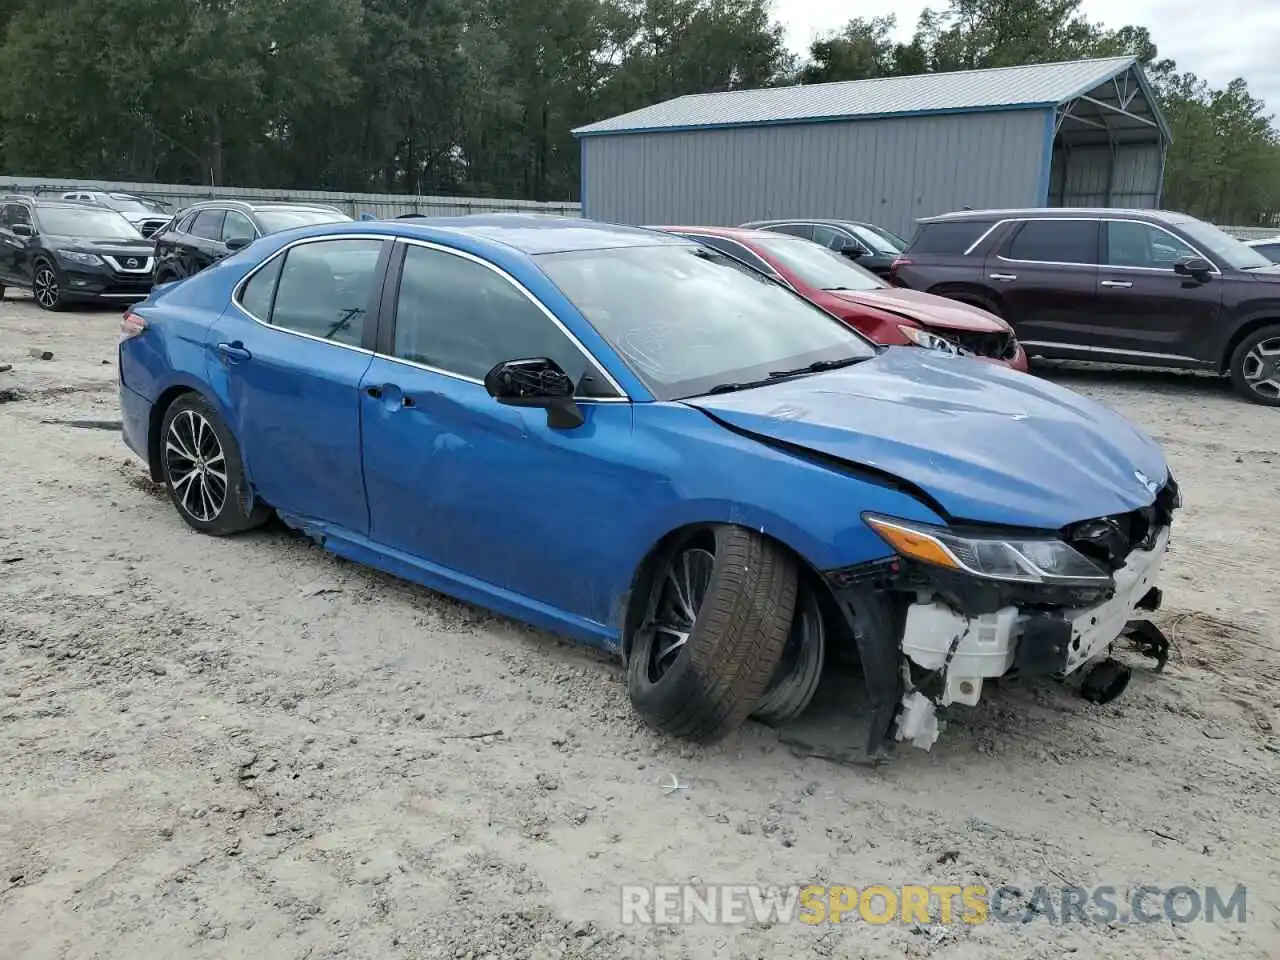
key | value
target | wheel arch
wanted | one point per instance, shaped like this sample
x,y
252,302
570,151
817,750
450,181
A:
x,y
158,409
974,294
632,607
1245,330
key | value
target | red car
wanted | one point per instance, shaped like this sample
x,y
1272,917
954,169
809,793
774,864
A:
x,y
888,315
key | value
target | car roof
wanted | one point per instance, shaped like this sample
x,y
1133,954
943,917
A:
x,y
1058,213
255,205
825,221
533,233
731,233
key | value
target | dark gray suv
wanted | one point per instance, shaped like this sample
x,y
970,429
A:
x,y
1142,287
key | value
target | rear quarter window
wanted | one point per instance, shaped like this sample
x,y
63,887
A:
x,y
947,239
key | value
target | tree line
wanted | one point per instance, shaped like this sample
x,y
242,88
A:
x,y
478,97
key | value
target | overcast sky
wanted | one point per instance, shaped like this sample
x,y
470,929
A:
x,y
1217,41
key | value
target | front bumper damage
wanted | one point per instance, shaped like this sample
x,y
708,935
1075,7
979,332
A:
x,y
928,641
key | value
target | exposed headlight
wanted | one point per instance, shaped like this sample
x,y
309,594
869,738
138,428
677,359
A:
x,y
75,256
927,339
991,557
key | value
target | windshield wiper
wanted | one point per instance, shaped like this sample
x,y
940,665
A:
x,y
817,367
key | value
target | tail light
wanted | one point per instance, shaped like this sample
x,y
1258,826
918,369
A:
x,y
131,325
899,262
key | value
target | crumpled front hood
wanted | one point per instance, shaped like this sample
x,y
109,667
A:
x,y
990,445
928,310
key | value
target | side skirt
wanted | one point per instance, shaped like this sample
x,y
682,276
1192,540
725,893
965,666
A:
x,y
360,549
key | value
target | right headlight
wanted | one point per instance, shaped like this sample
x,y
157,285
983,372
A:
x,y
992,557
927,339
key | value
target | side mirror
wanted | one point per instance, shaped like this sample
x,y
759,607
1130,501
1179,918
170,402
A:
x,y
1196,267
536,382
23,230
238,243
851,250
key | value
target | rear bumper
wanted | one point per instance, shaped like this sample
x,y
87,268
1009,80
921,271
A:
x,y
135,418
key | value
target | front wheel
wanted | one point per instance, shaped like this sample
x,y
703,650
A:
x,y
46,286
203,471
1255,367
718,615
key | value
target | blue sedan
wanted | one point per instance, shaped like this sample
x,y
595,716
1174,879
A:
x,y
628,438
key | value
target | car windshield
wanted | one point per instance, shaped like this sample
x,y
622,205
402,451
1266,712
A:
x,y
819,267
127,204
87,224
273,221
876,241
899,244
1222,247
687,319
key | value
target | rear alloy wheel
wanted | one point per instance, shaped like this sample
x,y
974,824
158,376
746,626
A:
x,y
1255,367
203,471
717,618
46,286
796,678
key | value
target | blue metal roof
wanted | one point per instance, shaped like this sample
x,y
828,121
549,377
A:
x,y
1043,85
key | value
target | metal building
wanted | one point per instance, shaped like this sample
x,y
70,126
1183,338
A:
x,y
1083,133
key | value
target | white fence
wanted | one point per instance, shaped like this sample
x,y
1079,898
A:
x,y
380,205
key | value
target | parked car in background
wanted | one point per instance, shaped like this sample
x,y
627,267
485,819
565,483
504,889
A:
x,y
66,252
871,247
634,440
1269,247
204,233
885,314
146,214
1141,287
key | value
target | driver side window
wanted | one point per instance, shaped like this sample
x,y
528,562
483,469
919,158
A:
x,y
463,318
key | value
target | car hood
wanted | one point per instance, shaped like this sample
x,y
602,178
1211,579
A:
x,y
989,445
111,248
927,309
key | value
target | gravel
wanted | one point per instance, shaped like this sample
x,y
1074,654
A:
x,y
245,747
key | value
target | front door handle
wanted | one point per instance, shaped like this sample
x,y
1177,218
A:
x,y
1117,284
375,392
1004,277
235,352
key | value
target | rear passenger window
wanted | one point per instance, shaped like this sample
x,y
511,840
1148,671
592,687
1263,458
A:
x,y
1056,241
794,230
207,225
947,239
257,293
325,288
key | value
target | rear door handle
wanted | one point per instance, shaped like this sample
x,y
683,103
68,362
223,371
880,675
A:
x,y
1119,284
235,352
377,393
1004,277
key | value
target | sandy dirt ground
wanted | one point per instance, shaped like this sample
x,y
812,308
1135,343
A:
x,y
247,748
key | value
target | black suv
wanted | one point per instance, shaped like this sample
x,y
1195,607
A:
x,y
206,232
1144,287
871,247
65,251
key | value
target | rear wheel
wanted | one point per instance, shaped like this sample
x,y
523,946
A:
x,y
46,286
1255,367
718,615
203,472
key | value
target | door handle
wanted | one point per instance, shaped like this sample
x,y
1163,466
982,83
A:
x,y
375,392
1004,277
234,352
1118,284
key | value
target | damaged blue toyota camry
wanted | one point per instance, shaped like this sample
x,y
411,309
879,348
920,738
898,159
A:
x,y
633,440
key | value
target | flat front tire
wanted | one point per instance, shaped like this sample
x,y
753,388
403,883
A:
x,y
718,614
1255,367
203,471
